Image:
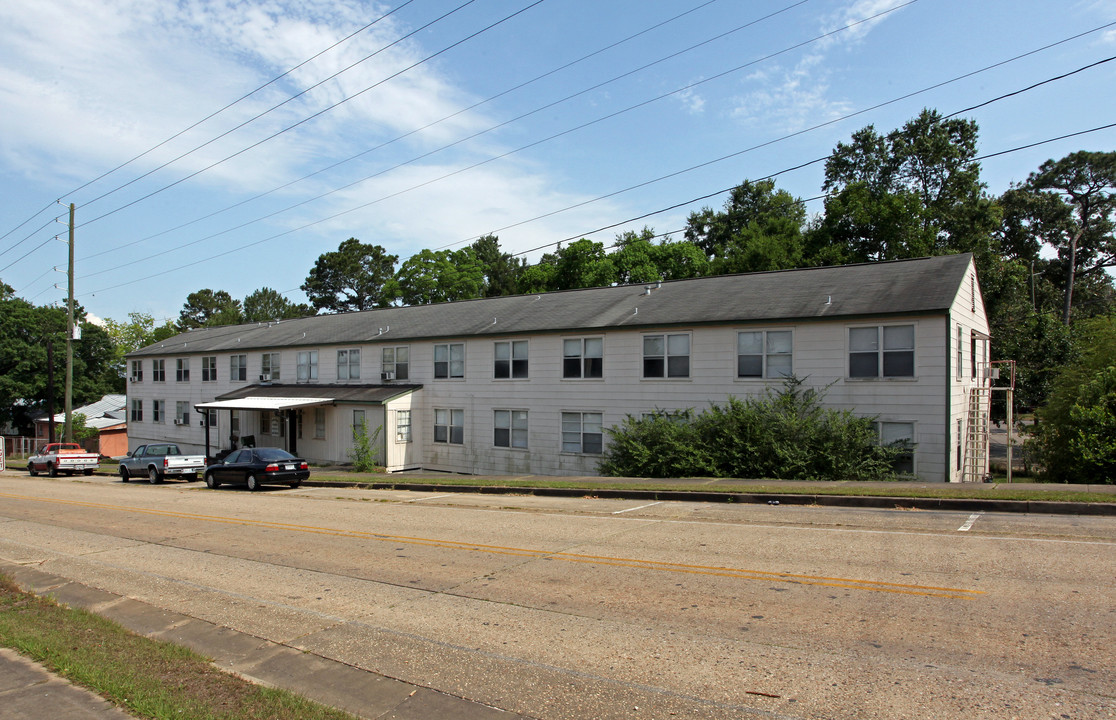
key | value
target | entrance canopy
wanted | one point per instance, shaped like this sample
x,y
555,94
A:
x,y
264,403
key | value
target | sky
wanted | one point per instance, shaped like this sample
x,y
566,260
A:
x,y
226,144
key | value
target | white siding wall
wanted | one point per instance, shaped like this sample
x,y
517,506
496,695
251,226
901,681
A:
x,y
966,313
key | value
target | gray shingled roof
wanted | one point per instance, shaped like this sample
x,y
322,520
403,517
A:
x,y
924,285
336,392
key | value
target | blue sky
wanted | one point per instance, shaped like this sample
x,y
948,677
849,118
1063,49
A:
x,y
405,149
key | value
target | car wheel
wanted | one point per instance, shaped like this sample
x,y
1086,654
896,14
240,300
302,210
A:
x,y
192,478
211,482
31,470
295,484
51,470
152,476
88,472
253,482
124,476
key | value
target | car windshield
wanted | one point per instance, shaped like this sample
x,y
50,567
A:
x,y
268,454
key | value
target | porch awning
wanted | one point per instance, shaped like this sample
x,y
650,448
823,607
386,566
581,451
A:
x,y
264,403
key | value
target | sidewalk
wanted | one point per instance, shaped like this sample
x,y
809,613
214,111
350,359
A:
x,y
29,691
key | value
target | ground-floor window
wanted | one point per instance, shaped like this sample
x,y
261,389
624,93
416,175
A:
x,y
449,426
403,426
182,412
319,423
901,435
581,432
358,422
510,428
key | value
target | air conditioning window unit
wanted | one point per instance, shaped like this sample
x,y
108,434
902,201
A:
x,y
178,421
266,377
387,376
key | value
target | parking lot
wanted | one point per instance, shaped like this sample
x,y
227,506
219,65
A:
x,y
585,607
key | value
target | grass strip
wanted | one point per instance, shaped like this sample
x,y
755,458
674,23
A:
x,y
146,678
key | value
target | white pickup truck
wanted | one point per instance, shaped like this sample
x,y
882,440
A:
x,y
158,460
69,458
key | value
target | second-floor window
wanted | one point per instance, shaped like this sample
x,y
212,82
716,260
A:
x,y
159,370
269,367
158,410
883,351
348,364
182,370
511,359
209,368
238,368
666,356
396,363
307,366
137,371
583,358
764,354
449,360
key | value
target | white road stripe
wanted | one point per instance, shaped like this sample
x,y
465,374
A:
x,y
969,523
638,508
431,497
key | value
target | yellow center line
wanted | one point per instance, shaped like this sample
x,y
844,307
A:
x,y
683,568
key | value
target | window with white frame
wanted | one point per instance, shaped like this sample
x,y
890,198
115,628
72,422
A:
x,y
666,356
211,417
319,424
348,364
137,371
511,360
307,366
396,363
899,435
764,354
238,368
158,411
449,360
881,351
269,367
137,410
234,423
403,426
182,370
209,368
298,424
583,357
182,412
359,422
960,352
158,370
449,426
265,422
510,428
582,433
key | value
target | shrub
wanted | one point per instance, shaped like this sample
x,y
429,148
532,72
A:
x,y
780,435
364,449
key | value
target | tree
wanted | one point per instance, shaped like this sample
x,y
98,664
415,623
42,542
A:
x,y
265,305
759,229
353,277
139,332
501,270
206,308
1075,212
912,193
639,260
582,264
444,276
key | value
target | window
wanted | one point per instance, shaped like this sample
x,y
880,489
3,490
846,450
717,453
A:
x,y
960,353
959,444
900,435
137,410
269,367
307,366
265,422
158,410
319,423
666,356
182,370
403,426
510,428
358,422
211,417
583,358
209,368
348,364
182,412
764,354
396,361
973,354
581,433
159,370
234,423
449,361
449,426
298,424
137,371
886,351
511,359
238,368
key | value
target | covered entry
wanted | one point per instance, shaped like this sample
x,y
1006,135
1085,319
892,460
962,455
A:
x,y
288,406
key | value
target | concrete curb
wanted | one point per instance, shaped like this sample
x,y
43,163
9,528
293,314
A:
x,y
360,692
1043,507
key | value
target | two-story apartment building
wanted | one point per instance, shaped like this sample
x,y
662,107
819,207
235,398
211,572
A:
x,y
529,384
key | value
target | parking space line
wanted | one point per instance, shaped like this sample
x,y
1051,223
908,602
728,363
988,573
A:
x,y
969,523
618,512
432,497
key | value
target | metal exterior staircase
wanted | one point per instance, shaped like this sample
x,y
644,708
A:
x,y
975,467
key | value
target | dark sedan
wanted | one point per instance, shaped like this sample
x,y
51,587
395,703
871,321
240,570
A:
x,y
256,467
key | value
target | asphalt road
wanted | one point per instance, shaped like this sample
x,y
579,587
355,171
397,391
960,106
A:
x,y
588,608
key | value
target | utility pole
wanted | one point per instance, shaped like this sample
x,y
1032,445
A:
x,y
70,338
